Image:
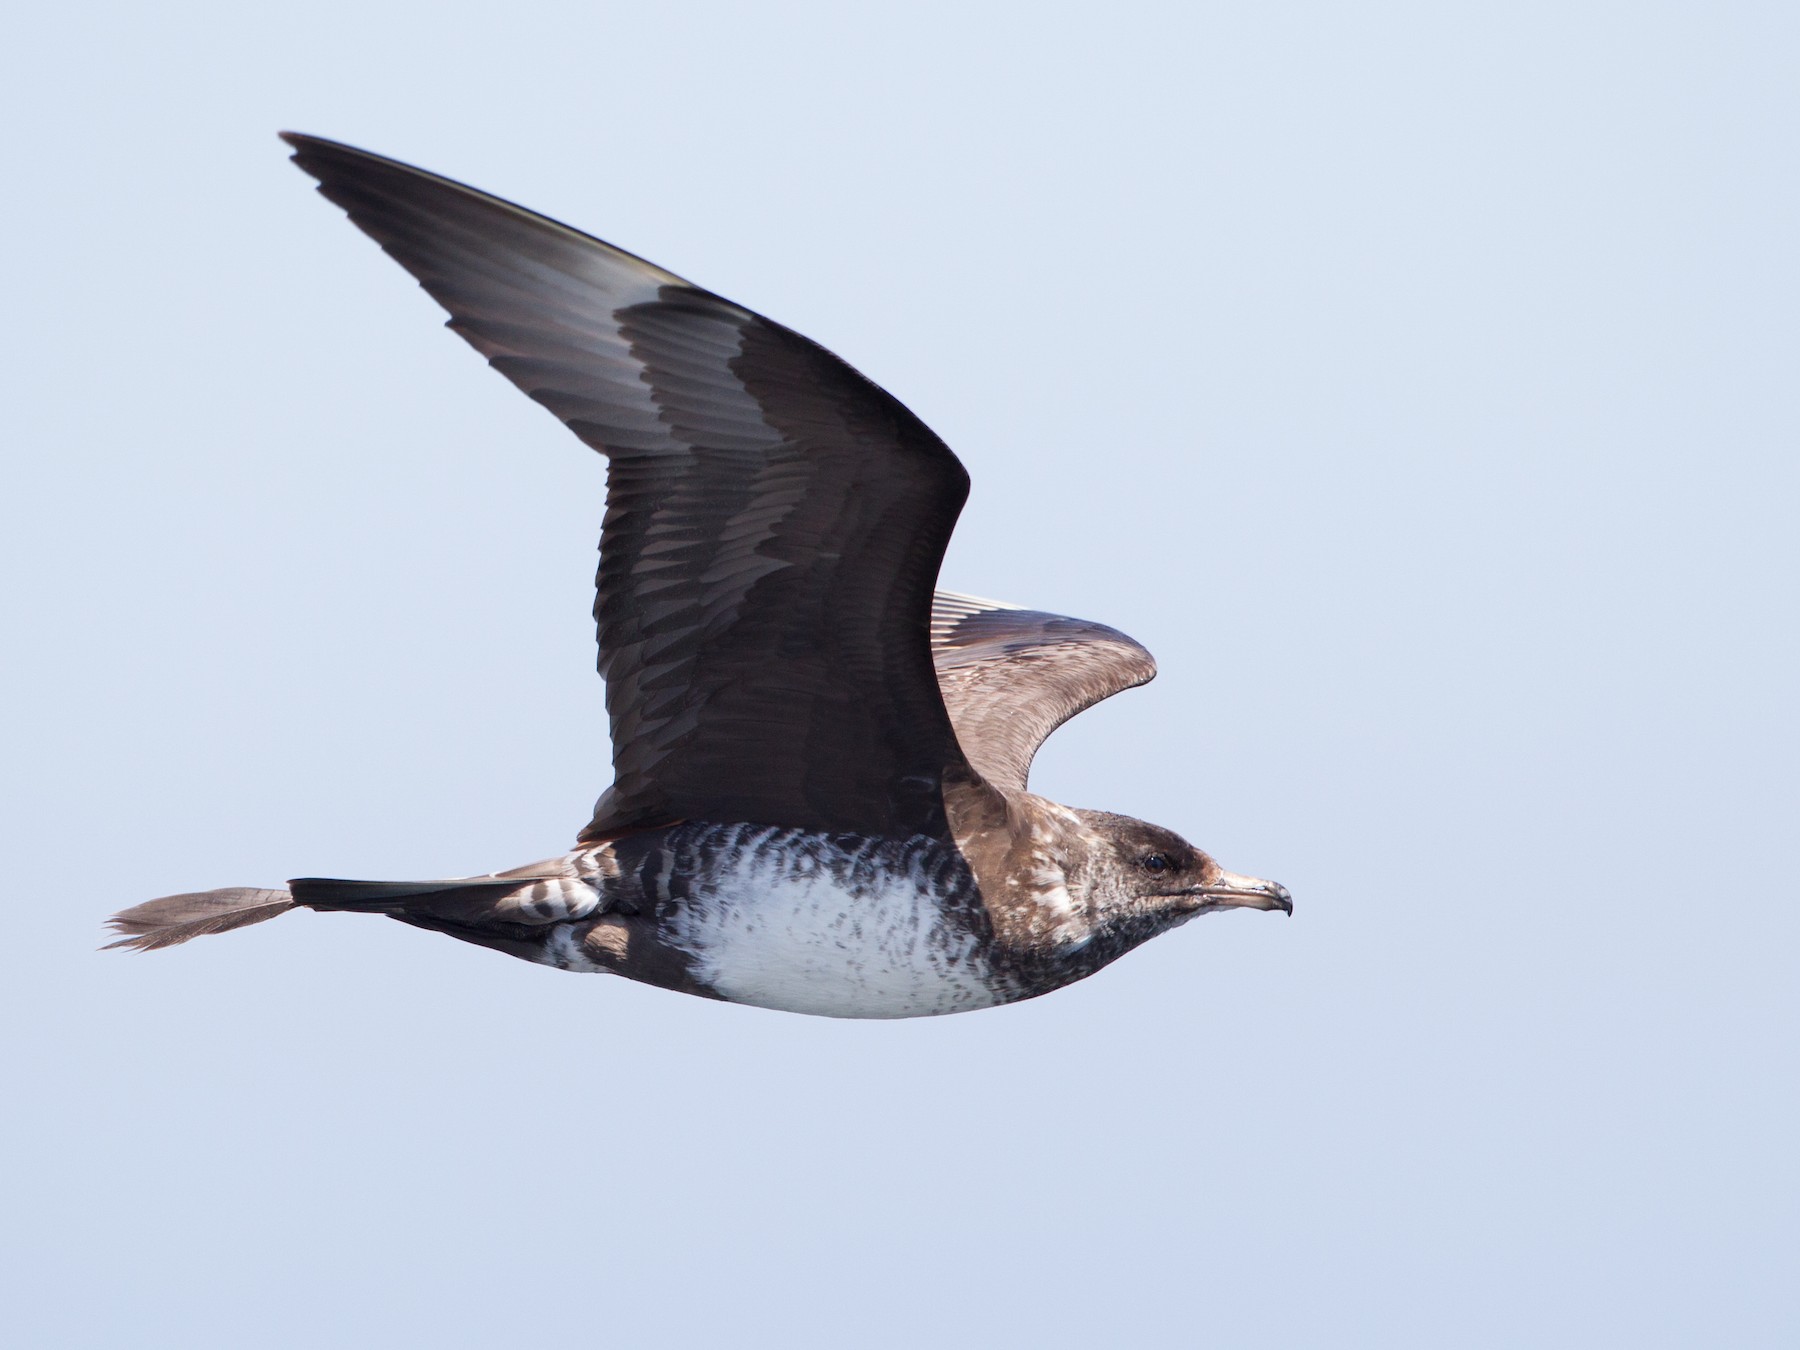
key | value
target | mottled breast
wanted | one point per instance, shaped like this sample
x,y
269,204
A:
x,y
834,925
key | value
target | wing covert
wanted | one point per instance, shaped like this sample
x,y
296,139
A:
x,y
1012,676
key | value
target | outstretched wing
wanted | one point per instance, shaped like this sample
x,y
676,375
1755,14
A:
x,y
1012,676
774,521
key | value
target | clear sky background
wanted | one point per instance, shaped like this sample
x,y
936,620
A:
x,y
1417,381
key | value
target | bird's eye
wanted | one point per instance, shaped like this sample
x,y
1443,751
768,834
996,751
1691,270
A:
x,y
1155,862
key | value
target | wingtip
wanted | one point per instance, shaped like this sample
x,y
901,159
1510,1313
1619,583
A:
x,y
322,158
303,143
301,146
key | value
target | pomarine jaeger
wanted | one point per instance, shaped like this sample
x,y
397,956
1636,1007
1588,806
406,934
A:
x,y
819,798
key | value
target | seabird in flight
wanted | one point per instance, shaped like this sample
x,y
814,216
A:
x,y
819,796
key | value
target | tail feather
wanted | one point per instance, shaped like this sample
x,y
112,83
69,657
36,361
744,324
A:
x,y
502,910
176,918
393,897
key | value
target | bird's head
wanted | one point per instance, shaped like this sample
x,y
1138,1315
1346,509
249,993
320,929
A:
x,y
1078,889
1141,877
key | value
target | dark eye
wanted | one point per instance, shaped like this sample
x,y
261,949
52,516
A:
x,y
1155,862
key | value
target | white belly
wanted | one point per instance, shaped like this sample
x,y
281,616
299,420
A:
x,y
784,933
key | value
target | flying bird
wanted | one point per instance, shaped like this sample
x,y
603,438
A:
x,y
820,762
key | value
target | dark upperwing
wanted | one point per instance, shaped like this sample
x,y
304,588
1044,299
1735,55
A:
x,y
774,521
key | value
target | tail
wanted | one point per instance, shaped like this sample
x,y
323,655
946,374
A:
x,y
506,911
176,918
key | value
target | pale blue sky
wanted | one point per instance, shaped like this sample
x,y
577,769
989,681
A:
x,y
1417,381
